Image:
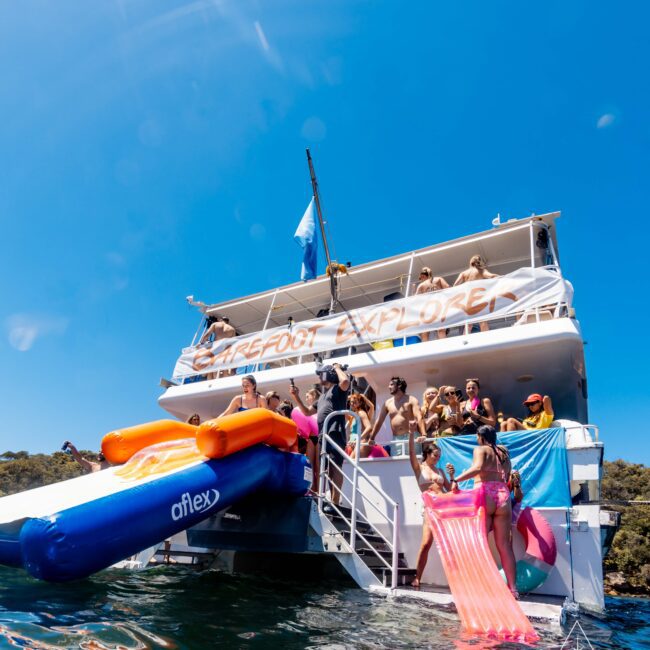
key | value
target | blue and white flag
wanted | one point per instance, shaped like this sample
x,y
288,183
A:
x,y
307,236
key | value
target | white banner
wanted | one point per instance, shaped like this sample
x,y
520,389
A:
x,y
523,289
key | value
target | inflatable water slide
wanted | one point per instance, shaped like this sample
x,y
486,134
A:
x,y
167,476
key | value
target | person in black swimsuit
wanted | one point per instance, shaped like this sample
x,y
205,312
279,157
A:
x,y
476,411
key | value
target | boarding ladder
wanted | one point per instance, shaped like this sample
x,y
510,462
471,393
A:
x,y
370,556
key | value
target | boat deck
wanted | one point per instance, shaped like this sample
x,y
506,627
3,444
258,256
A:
x,y
549,609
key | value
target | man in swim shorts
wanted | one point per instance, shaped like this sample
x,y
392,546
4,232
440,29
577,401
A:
x,y
219,328
403,411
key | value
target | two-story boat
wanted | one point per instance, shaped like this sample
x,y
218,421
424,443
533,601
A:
x,y
517,333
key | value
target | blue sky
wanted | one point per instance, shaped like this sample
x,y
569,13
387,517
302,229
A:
x,y
151,150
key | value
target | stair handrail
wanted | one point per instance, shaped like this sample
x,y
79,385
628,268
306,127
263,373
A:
x,y
358,470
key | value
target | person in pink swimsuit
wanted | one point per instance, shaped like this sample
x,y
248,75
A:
x,y
491,471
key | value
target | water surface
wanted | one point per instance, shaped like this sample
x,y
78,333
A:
x,y
172,607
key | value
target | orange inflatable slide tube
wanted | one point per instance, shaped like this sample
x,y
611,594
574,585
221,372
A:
x,y
118,446
231,433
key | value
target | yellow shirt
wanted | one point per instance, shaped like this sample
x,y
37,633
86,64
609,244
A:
x,y
540,421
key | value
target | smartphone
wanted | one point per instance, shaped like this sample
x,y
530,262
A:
x,y
292,383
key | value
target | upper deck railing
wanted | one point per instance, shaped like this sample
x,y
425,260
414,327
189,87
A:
x,y
534,290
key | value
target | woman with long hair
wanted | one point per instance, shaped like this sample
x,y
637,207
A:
x,y
429,414
491,472
363,407
450,420
475,410
249,399
431,478
194,419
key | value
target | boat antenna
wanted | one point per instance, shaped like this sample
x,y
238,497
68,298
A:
x,y
332,269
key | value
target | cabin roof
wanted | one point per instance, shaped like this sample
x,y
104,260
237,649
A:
x,y
505,247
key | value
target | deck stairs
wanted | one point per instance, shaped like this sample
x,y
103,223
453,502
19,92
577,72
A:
x,y
370,547
370,556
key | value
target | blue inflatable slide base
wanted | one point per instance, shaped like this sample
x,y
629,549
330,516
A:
x,y
84,539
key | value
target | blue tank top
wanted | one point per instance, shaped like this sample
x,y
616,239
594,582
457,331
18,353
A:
x,y
243,408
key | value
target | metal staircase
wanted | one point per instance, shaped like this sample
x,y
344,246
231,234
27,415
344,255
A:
x,y
369,555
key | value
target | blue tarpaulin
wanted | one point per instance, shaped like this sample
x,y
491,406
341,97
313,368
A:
x,y
539,456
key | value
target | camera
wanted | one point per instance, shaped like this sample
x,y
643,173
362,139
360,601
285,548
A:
x,y
328,373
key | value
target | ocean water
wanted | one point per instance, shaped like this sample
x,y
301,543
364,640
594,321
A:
x,y
177,608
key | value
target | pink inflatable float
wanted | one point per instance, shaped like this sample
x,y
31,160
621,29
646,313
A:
x,y
306,424
484,602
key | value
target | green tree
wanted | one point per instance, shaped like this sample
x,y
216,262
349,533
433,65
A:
x,y
630,552
20,471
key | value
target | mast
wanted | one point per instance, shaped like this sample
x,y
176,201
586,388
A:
x,y
332,269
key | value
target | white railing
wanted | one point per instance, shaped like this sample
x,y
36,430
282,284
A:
x,y
355,513
533,315
588,433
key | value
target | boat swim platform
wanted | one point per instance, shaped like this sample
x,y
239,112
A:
x,y
547,609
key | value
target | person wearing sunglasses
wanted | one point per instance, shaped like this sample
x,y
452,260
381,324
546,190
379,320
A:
x,y
540,415
449,414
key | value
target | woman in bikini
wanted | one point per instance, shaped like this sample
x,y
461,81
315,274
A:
x,y
476,410
430,478
451,421
491,471
429,414
249,399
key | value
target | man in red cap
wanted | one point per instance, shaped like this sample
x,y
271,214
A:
x,y
540,415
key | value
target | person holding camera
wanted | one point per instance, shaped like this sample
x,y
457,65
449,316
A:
x,y
335,384
88,466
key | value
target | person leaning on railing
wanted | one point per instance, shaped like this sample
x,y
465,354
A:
x,y
477,270
429,283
